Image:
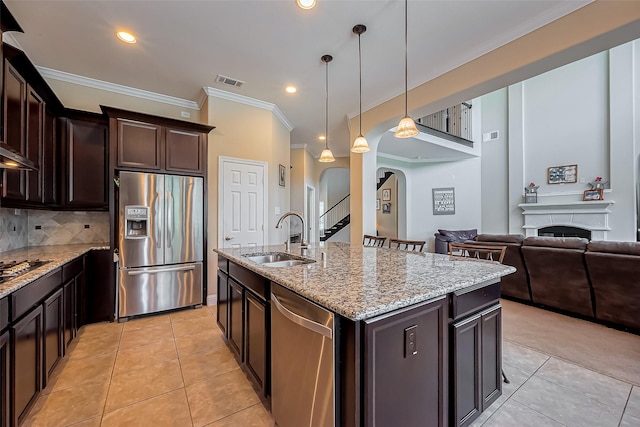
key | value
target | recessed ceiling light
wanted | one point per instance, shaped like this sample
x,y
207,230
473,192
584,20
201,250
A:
x,y
126,37
306,4
321,138
291,89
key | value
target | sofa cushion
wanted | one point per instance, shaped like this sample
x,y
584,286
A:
x,y
458,236
625,248
501,238
557,242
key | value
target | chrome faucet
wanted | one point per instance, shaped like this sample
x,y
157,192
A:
x,y
303,242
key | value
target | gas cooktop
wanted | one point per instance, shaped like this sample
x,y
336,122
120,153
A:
x,y
12,269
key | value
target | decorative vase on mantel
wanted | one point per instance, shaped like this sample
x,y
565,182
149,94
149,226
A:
x,y
531,193
598,183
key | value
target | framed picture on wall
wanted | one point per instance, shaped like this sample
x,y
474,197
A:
x,y
386,208
595,194
386,194
377,204
444,201
567,174
281,175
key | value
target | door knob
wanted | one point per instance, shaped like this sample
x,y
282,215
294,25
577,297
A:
x,y
228,238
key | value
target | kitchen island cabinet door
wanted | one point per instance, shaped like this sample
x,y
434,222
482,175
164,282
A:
x,y
53,320
5,379
467,404
257,336
222,307
26,363
235,336
405,384
491,327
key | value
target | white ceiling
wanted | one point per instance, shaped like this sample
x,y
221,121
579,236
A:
x,y
183,44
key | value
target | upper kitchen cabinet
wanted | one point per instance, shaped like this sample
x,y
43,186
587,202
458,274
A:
x,y
7,23
146,142
84,161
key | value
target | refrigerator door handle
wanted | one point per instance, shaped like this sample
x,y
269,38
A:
x,y
161,270
169,218
158,224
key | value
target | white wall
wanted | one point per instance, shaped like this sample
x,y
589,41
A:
x,y
584,113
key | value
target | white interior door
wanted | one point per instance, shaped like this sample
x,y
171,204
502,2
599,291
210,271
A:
x,y
242,208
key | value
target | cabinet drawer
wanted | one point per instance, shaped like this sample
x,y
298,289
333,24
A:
x,y
72,269
223,264
32,294
471,300
4,313
250,280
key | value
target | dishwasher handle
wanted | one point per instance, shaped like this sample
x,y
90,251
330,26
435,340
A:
x,y
302,321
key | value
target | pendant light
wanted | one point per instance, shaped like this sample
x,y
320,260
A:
x,y
327,155
360,143
407,127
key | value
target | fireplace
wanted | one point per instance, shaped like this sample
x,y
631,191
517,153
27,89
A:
x,y
564,231
592,216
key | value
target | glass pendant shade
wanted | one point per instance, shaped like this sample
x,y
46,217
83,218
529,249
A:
x,y
406,128
360,145
326,156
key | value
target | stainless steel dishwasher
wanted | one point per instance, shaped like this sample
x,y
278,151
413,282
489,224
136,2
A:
x,y
302,361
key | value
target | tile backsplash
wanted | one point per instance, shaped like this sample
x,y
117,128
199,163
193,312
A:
x,y
14,228
20,228
67,228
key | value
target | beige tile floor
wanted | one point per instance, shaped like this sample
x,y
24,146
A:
x,y
174,370
167,370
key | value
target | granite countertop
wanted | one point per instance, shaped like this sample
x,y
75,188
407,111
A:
x,y
360,282
58,255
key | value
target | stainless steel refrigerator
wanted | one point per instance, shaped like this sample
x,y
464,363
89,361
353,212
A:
x,y
160,223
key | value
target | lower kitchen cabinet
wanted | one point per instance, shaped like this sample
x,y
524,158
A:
x,y
405,366
235,335
69,290
477,355
243,316
53,321
74,297
256,333
5,379
26,363
223,301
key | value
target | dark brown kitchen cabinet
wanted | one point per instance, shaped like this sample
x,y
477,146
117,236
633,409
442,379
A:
x,y
235,336
84,163
222,307
53,329
256,333
14,186
412,344
97,303
5,379
139,144
185,151
26,363
476,353
146,142
73,288
49,165
34,142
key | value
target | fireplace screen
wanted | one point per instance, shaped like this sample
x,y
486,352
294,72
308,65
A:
x,y
562,231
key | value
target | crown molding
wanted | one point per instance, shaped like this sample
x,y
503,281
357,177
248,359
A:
x,y
241,99
116,88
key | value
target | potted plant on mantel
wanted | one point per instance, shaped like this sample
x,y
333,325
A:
x,y
531,193
598,183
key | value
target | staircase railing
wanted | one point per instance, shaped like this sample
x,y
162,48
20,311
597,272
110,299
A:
x,y
335,214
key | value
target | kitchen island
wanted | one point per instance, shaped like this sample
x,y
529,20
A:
x,y
416,336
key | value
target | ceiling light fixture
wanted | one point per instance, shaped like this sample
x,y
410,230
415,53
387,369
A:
x,y
327,155
306,4
291,89
126,37
407,127
360,143
322,138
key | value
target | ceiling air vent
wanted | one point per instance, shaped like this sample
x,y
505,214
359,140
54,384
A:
x,y
490,136
229,81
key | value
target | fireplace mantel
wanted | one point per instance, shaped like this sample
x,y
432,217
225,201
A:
x,y
591,215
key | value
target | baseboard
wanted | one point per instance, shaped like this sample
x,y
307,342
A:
x,y
212,299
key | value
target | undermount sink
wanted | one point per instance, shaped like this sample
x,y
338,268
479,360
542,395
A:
x,y
278,259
